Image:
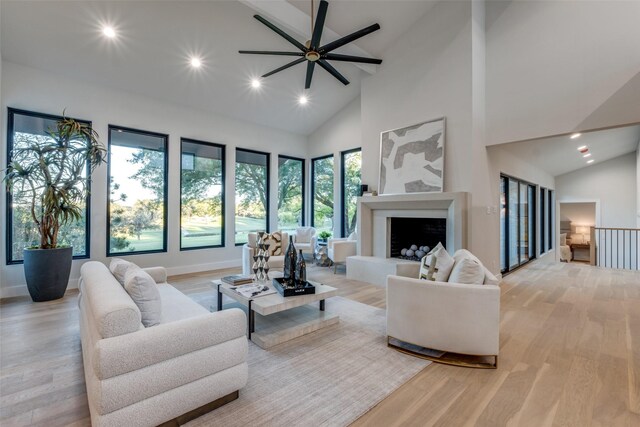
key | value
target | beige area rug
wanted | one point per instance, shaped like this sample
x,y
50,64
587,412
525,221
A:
x,y
327,378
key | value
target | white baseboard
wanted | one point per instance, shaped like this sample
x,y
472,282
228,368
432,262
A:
x,y
20,290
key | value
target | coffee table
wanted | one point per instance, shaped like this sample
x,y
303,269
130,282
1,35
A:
x,y
282,319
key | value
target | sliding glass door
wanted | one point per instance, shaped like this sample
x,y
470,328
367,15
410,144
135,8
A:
x,y
517,223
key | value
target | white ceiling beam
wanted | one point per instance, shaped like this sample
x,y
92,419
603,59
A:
x,y
298,22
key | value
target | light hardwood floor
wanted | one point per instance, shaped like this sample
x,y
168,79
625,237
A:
x,y
570,355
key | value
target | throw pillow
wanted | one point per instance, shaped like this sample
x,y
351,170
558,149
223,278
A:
x,y
144,292
489,278
424,267
119,267
353,236
436,265
467,271
563,239
275,243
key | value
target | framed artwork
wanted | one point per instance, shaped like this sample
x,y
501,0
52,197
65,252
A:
x,y
412,158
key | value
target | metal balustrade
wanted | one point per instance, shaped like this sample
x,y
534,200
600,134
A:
x,y
615,248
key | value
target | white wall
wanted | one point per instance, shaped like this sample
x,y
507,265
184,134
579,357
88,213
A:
x,y
638,185
579,213
611,183
555,67
31,89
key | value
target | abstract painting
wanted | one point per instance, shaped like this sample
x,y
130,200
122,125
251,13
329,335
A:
x,y
412,158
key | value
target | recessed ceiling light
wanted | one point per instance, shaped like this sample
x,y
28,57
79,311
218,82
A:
x,y
582,147
195,62
575,135
589,161
255,83
587,155
108,31
303,100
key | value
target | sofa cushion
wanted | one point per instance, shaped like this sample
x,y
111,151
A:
x,y
563,239
436,265
144,292
118,268
176,305
467,271
353,236
304,234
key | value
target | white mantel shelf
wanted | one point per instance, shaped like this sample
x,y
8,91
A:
x,y
451,205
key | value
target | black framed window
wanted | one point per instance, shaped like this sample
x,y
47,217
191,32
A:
x,y
517,223
322,193
24,127
202,169
543,219
291,180
350,180
137,203
550,214
252,193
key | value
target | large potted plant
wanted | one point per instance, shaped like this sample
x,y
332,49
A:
x,y
53,174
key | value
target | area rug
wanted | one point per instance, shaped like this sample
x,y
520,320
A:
x,y
327,378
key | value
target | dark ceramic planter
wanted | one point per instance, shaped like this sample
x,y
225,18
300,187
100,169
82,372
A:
x,y
47,272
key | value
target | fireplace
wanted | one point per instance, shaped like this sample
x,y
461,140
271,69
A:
x,y
414,234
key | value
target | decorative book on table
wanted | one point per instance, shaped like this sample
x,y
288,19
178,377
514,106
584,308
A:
x,y
253,290
237,279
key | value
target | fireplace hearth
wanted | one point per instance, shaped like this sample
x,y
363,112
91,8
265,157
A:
x,y
409,238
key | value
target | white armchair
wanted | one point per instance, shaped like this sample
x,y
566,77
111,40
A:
x,y
339,249
276,262
450,317
305,239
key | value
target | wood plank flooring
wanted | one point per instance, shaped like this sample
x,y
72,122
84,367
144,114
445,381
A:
x,y
569,356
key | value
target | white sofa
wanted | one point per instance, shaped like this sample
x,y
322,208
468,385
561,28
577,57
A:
x,y
193,361
450,317
339,249
276,262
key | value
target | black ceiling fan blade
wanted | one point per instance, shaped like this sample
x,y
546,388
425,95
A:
x,y
281,33
284,67
350,58
324,64
317,29
310,67
271,52
348,39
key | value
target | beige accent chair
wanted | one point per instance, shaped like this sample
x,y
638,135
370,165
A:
x,y
450,317
276,262
339,249
565,249
305,239
192,362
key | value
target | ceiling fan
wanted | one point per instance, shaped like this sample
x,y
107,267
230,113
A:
x,y
313,52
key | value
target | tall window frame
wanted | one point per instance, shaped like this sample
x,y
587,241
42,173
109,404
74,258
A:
x,y
303,183
344,214
313,190
223,158
267,191
525,222
551,216
165,200
11,113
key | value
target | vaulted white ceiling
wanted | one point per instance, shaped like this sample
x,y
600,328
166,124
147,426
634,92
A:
x,y
559,154
156,39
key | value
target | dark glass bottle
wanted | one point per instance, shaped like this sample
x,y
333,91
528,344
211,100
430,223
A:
x,y
301,269
290,263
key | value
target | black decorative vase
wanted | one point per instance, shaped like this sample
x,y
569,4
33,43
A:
x,y
47,272
301,269
290,259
